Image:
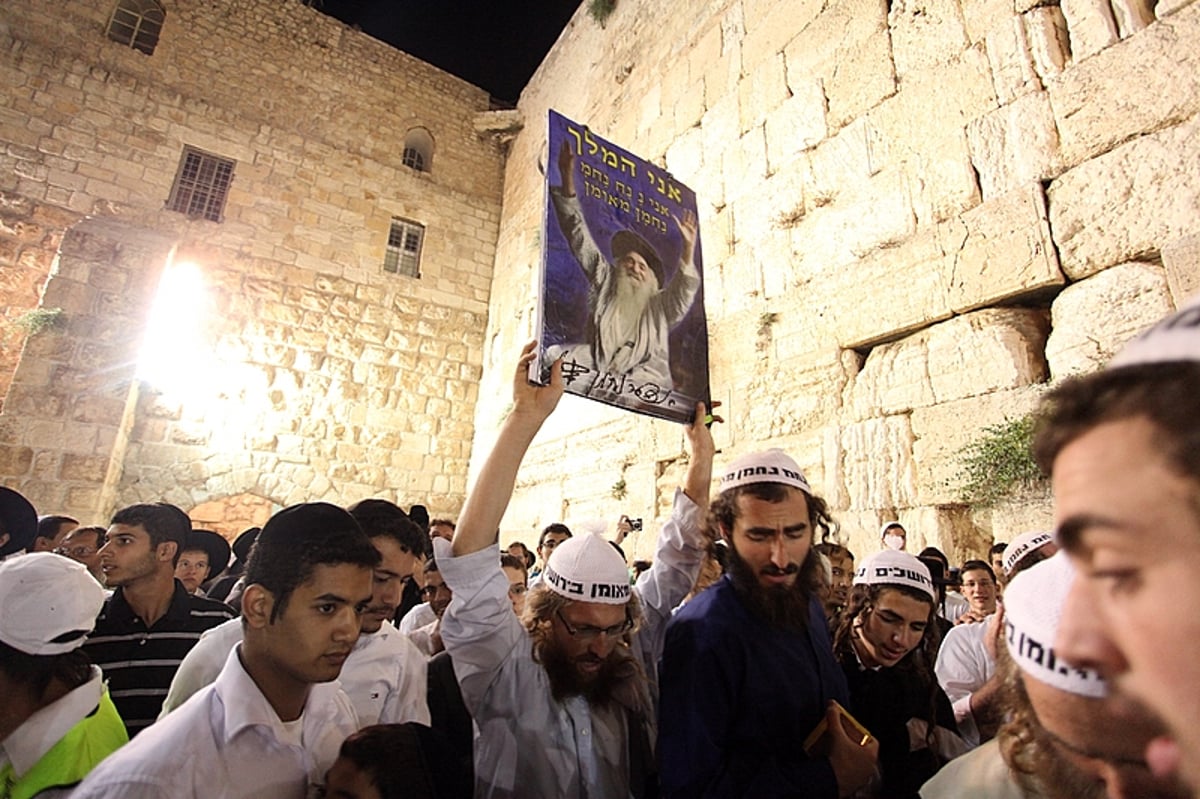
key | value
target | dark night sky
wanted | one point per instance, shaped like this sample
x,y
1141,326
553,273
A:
x,y
495,45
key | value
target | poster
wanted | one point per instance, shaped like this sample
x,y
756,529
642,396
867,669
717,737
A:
x,y
622,289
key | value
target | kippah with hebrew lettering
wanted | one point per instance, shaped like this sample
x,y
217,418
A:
x,y
771,466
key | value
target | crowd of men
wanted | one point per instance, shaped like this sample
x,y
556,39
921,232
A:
x,y
370,651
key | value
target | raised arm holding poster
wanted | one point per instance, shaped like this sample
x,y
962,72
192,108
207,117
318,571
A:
x,y
622,283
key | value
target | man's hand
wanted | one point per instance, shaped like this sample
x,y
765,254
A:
x,y
566,169
624,528
970,617
701,449
688,228
995,630
532,400
853,762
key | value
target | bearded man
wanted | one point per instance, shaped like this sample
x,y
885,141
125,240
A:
x,y
748,670
631,311
563,697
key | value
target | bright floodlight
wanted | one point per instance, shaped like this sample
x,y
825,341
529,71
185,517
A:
x,y
176,357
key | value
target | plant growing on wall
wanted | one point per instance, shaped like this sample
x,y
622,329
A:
x,y
600,10
40,320
998,464
619,490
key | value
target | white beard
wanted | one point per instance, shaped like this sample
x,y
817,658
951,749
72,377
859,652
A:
x,y
618,322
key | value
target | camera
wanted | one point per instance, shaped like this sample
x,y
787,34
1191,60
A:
x,y
635,524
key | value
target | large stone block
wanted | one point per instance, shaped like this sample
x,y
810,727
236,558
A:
x,y
1144,83
994,252
1094,317
1128,202
978,353
925,33
1181,259
1013,72
796,125
848,48
941,431
1091,26
1015,144
877,463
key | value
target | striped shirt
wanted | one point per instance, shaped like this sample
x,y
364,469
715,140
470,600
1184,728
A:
x,y
138,661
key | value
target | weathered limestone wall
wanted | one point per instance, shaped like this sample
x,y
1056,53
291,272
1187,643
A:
x,y
332,379
913,215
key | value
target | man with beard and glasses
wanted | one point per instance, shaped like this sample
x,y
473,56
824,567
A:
x,y
748,671
1066,737
563,696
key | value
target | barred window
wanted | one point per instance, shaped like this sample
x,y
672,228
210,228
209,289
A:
x,y
137,23
201,185
403,256
413,159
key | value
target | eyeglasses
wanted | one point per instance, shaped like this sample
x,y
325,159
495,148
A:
x,y
76,552
589,633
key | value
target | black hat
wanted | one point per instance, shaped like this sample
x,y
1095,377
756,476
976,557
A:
x,y
19,521
242,544
626,241
420,515
212,544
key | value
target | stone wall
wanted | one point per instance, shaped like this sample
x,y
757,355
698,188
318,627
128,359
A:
x,y
914,214
329,379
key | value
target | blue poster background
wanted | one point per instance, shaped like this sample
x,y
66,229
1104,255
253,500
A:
x,y
619,191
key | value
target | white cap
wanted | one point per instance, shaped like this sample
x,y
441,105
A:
x,y
48,603
1174,339
1022,545
587,568
771,466
1033,606
893,567
883,530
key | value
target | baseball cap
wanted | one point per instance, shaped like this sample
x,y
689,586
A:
x,y
770,466
1033,607
50,603
586,568
893,567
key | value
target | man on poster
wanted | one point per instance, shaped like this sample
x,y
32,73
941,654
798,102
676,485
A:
x,y
630,311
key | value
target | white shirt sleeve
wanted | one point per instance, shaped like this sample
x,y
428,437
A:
x,y
407,700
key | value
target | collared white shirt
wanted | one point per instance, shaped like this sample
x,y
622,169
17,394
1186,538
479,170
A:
x,y
422,638
954,606
385,675
226,743
529,745
963,666
27,744
417,616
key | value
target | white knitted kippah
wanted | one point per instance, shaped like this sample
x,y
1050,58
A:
x,y
1174,339
893,567
587,568
771,466
1033,606
1022,545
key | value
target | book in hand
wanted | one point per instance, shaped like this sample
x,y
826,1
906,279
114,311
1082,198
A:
x,y
622,289
818,741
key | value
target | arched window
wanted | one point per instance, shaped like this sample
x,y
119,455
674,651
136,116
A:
x,y
418,150
137,23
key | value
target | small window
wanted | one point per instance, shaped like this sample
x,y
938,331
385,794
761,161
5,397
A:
x,y
201,185
418,150
403,256
137,23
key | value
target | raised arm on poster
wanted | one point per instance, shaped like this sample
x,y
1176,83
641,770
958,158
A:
x,y
622,292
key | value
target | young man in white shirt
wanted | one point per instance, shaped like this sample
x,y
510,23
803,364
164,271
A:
x,y
385,675
272,723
